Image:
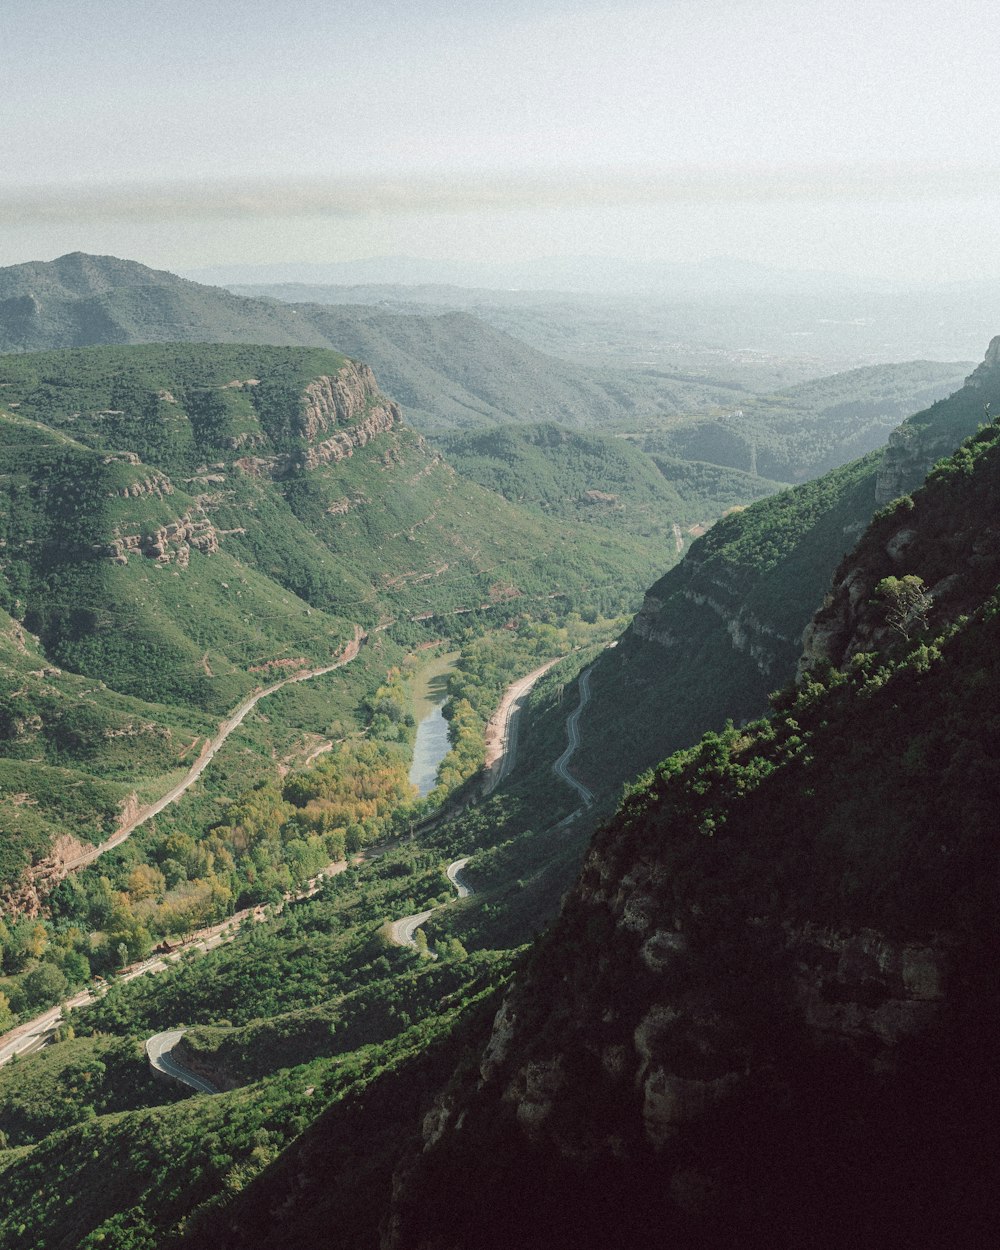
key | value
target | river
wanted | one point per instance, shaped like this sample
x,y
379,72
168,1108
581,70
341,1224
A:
x,y
429,695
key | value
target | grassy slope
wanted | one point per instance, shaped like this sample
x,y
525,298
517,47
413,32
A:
x,y
71,749
392,532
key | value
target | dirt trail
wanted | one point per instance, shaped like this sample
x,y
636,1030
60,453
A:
x,y
501,732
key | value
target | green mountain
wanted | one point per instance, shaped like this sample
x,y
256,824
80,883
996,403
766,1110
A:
x,y
183,523
71,753
455,370
765,1014
590,479
806,430
449,369
723,628
786,933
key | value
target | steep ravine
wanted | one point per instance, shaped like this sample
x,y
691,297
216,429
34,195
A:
x,y
724,627
762,1016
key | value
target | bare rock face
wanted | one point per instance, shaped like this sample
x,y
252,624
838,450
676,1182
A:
x,y
533,1092
668,1101
380,419
904,542
646,623
258,466
980,377
664,1043
169,543
496,1048
338,401
27,897
748,634
153,484
338,415
867,989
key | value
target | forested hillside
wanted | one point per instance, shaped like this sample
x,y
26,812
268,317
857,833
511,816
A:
x,y
764,1015
809,429
591,479
447,369
723,628
454,369
185,524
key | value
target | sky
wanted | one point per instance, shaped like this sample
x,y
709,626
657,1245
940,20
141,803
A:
x,y
841,137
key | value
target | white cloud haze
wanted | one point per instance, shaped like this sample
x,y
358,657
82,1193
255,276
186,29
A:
x,y
823,136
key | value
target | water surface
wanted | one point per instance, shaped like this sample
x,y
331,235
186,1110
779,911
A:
x,y
430,749
430,693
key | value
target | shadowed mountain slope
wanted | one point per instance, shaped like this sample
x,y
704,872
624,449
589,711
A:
x,y
723,628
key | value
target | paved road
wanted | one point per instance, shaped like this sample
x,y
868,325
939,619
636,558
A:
x,y
401,932
158,1051
560,767
233,721
33,1034
454,870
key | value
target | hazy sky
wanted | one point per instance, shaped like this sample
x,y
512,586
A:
x,y
841,136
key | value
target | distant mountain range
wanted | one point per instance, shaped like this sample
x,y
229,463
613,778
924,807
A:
x,y
720,275
451,369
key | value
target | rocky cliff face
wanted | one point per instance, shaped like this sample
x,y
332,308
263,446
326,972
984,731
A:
x,y
337,415
344,399
170,543
764,643
379,419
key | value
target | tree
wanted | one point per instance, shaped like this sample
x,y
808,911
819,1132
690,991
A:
x,y
43,986
907,603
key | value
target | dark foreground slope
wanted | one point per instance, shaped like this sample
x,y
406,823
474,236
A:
x,y
766,1013
723,628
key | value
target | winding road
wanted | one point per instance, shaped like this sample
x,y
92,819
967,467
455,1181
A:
x,y
33,1034
208,752
561,766
403,932
501,732
453,871
158,1051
